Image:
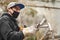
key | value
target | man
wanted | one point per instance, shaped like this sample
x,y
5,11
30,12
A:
x,y
9,29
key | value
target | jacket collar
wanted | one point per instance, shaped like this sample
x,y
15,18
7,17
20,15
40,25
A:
x,y
6,14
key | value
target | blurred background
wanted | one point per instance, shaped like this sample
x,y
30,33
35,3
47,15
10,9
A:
x,y
33,13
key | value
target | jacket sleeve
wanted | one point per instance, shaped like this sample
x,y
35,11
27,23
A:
x,y
9,34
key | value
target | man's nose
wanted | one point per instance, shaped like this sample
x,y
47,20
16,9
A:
x,y
18,10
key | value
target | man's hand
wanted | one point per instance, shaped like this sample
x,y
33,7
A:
x,y
29,30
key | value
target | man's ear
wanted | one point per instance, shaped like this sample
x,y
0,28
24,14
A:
x,y
10,10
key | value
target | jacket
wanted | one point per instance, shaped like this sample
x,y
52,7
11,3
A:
x,y
9,29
